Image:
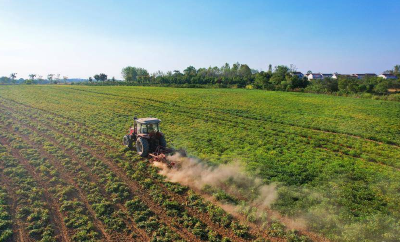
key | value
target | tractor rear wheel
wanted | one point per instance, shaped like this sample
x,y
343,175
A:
x,y
142,147
128,141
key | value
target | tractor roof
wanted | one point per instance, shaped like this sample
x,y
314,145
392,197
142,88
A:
x,y
148,120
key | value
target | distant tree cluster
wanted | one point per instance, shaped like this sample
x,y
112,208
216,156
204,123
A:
x,y
280,78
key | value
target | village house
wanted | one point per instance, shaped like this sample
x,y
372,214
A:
x,y
361,76
388,76
315,76
296,73
327,75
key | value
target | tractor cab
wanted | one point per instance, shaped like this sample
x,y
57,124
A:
x,y
146,125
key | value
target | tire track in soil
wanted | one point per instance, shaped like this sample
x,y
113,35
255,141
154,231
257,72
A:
x,y
182,200
169,221
19,233
49,198
67,177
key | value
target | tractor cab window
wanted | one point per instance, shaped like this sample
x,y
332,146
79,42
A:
x,y
147,128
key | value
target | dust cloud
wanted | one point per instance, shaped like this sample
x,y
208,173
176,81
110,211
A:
x,y
230,178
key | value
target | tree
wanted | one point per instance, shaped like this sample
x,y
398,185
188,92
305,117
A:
x,y
382,87
65,78
103,77
97,77
244,71
262,80
113,79
32,76
13,76
50,78
270,68
57,78
309,72
292,68
90,79
396,70
190,71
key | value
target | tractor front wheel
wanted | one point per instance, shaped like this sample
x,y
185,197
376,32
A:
x,y
128,141
142,147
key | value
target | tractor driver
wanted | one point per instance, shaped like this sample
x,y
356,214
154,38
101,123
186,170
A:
x,y
151,128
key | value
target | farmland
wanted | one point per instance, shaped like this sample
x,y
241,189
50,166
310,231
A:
x,y
65,176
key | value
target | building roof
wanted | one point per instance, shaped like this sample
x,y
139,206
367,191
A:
x,y
148,120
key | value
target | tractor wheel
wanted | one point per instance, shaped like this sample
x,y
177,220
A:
x,y
128,141
163,142
142,147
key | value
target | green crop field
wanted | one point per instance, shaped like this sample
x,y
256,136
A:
x,y
334,160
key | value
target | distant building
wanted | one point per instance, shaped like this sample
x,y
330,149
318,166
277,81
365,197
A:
x,y
315,76
327,75
361,76
388,76
299,74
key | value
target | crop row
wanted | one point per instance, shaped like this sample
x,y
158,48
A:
x,y
6,232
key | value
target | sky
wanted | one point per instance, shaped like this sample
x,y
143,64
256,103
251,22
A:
x,y
81,38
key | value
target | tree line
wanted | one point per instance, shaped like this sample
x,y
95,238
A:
x,y
279,78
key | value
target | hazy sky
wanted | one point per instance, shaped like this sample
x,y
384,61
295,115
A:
x,y
82,38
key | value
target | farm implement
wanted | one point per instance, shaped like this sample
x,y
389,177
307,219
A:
x,y
149,141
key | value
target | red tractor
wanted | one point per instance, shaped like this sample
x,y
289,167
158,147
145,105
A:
x,y
146,136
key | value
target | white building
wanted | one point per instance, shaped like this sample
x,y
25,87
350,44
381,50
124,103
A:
x,y
388,76
315,76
